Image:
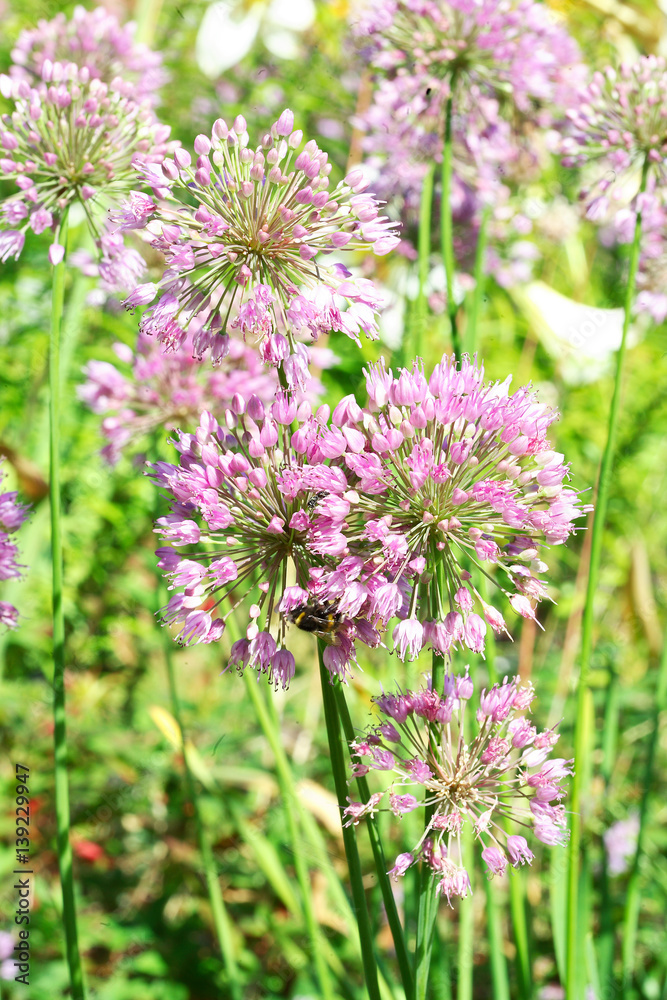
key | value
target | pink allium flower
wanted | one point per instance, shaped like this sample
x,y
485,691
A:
x,y
620,842
94,40
12,516
246,230
619,123
170,390
71,139
241,508
485,779
514,51
447,474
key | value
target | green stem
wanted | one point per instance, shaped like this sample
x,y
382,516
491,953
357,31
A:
x,y
221,921
148,15
497,960
520,930
446,227
480,281
424,248
59,716
466,921
338,769
289,799
582,743
499,973
633,897
428,899
393,918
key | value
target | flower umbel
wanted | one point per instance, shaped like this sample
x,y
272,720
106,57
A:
x,y
94,40
169,390
620,123
70,139
498,773
240,503
253,242
452,478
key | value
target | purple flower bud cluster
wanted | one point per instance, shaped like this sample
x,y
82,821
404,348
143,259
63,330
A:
x,y
12,516
240,504
70,138
618,123
496,773
248,254
382,512
447,475
95,41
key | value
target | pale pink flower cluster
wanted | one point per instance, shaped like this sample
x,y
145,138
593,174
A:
x,y
488,775
240,506
245,233
171,390
70,138
95,41
450,478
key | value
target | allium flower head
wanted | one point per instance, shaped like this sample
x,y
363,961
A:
x,y
246,230
169,390
499,772
94,40
12,516
450,477
620,123
240,504
70,139
510,50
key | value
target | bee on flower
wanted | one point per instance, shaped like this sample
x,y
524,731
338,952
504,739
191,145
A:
x,y
240,505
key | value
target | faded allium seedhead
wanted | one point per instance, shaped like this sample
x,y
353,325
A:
x,y
451,478
486,775
12,516
94,40
248,254
240,505
71,139
620,122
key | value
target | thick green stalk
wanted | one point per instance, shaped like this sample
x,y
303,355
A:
x,y
59,717
497,960
582,743
480,282
428,899
424,249
393,918
517,888
466,948
446,227
221,921
633,897
339,772
303,878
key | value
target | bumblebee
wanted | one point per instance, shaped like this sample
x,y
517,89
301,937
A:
x,y
315,499
322,620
